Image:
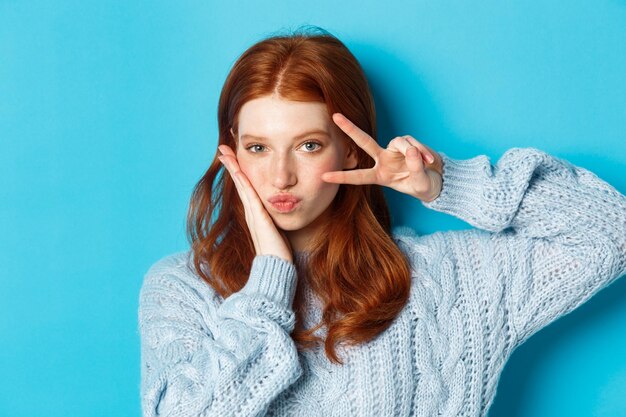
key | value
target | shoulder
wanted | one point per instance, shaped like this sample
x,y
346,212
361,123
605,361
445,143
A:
x,y
175,274
408,239
177,263
445,266
426,254
416,247
174,302
443,249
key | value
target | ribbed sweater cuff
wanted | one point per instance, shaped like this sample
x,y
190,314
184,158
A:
x,y
461,186
273,278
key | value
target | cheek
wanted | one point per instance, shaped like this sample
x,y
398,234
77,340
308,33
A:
x,y
314,174
309,174
253,171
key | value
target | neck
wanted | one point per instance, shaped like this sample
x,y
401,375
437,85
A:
x,y
301,240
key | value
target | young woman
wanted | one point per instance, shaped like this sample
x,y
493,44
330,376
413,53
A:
x,y
297,299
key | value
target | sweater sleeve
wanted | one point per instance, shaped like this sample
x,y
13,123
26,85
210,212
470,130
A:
x,y
203,359
558,231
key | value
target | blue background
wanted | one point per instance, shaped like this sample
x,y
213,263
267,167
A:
x,y
108,119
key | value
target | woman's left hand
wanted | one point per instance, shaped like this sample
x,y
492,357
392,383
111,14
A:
x,y
406,165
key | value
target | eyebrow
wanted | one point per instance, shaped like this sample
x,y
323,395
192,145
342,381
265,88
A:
x,y
300,136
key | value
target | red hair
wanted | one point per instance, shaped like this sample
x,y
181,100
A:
x,y
355,267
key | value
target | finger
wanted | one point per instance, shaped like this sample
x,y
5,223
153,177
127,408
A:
x,y
362,139
244,186
226,150
409,142
233,169
401,145
413,159
244,190
230,163
354,177
428,153
253,198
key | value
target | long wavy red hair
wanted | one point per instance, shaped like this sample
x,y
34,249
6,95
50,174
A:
x,y
355,267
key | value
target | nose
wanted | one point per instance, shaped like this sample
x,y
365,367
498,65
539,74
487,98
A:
x,y
283,172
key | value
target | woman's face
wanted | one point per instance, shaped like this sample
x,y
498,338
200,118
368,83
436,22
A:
x,y
283,147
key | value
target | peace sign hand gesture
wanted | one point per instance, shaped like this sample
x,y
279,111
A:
x,y
406,165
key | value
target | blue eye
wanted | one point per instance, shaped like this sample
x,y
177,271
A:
x,y
311,146
255,148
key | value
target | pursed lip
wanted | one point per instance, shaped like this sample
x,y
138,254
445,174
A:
x,y
284,203
283,198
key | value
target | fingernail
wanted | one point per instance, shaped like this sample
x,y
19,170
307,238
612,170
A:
x,y
430,158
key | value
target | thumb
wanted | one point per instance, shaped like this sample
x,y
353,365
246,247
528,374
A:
x,y
414,159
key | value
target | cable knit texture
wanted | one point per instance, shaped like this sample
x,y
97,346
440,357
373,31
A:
x,y
548,235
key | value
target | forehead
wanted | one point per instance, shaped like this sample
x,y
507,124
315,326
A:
x,y
272,116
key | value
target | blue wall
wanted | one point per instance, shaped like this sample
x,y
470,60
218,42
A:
x,y
108,118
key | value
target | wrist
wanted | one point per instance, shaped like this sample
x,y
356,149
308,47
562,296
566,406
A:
x,y
273,278
436,181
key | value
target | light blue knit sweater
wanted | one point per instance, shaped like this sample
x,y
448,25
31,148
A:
x,y
549,236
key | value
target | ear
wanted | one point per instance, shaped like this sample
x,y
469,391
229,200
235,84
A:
x,y
351,160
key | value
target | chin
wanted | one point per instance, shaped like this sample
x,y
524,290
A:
x,y
290,226
290,222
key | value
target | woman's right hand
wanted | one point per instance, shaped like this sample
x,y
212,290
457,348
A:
x,y
267,239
